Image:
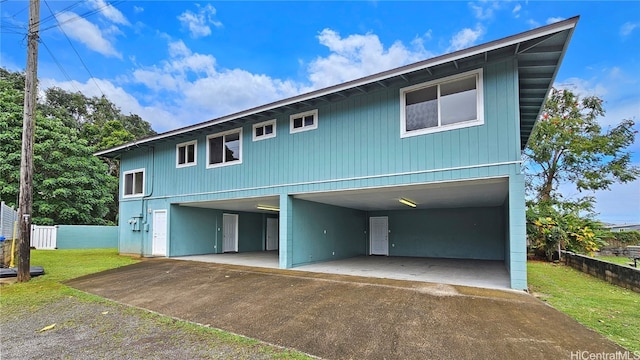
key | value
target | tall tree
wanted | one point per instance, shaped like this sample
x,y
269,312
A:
x,y
568,145
71,186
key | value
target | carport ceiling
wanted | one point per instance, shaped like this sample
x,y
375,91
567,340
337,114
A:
x,y
473,193
248,204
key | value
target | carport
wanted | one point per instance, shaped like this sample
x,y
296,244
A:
x,y
457,233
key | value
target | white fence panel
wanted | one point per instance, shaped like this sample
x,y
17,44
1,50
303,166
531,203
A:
x,y
43,237
7,217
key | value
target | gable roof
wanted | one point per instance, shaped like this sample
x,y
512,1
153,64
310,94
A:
x,y
539,53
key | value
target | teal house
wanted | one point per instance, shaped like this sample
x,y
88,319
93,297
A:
x,y
419,161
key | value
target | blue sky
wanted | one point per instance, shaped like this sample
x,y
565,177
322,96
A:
x,y
177,63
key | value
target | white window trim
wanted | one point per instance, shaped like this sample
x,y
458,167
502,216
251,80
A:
x,y
195,153
313,112
211,166
479,101
264,124
144,182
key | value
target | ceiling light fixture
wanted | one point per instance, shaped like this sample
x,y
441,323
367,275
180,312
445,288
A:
x,y
407,202
268,208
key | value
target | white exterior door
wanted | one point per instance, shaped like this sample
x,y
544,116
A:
x,y
229,232
379,235
159,244
273,234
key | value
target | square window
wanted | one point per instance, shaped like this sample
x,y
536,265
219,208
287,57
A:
x,y
186,154
133,183
264,130
224,148
303,121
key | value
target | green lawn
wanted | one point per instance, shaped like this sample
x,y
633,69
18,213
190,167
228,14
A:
x,y
620,260
61,265
608,309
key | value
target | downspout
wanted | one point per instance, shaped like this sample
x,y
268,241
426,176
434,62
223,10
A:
x,y
149,180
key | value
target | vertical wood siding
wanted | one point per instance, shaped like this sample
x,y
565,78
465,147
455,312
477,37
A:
x,y
356,137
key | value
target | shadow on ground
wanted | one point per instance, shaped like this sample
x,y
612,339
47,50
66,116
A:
x,y
349,317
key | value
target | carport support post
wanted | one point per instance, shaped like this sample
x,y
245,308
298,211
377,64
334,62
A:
x,y
517,233
286,231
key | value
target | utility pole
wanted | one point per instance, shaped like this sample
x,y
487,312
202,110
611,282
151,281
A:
x,y
26,160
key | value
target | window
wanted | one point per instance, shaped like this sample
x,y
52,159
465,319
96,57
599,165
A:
x,y
186,154
450,103
264,130
224,148
133,183
303,121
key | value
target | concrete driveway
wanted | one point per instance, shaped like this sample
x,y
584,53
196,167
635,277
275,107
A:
x,y
350,317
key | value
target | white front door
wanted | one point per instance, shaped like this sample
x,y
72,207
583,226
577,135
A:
x,y
229,232
159,244
273,234
379,235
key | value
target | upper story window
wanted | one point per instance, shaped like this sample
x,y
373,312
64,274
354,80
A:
x,y
186,154
264,130
224,148
133,183
450,103
303,121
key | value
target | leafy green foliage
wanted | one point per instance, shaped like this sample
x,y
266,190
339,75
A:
x,y
71,186
548,227
568,145
624,238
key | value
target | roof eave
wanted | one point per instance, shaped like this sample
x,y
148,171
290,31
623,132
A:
x,y
421,65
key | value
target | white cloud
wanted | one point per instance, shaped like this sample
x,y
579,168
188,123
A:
x,y
109,11
198,24
627,28
138,9
200,91
87,33
532,23
552,20
358,55
156,113
516,10
194,88
484,10
465,38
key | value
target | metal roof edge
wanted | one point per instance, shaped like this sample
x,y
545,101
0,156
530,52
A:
x,y
420,65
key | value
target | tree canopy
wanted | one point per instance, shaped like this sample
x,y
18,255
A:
x,y
70,185
568,146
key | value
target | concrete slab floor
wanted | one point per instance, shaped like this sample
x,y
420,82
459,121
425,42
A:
x,y
466,272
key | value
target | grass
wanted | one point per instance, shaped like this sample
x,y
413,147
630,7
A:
x,y
61,265
608,309
620,260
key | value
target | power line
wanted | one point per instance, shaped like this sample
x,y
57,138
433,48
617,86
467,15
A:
x,y
55,60
82,16
76,51
68,8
